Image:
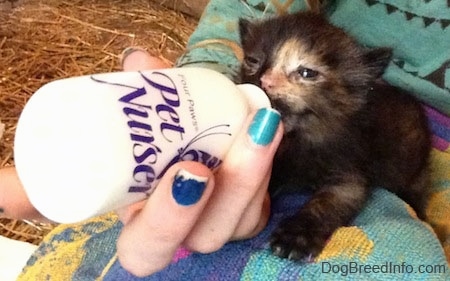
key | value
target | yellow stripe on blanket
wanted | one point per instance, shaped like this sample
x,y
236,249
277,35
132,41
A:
x,y
438,209
349,242
60,258
50,262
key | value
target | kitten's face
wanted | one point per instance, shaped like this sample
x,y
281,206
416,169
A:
x,y
314,74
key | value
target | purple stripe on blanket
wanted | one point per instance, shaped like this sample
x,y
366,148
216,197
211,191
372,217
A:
x,y
438,130
437,116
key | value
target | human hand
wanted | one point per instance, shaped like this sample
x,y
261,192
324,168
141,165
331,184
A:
x,y
203,214
14,202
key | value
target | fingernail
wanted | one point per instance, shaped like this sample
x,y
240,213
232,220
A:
x,y
264,126
128,51
187,189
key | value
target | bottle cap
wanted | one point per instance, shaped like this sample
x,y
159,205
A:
x,y
255,96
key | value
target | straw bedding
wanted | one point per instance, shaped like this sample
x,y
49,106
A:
x,y
45,40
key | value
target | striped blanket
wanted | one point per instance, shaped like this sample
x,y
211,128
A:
x,y
385,241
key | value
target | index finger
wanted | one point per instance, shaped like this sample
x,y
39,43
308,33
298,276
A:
x,y
241,185
135,58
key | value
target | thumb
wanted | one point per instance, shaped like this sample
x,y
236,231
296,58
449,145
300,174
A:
x,y
150,239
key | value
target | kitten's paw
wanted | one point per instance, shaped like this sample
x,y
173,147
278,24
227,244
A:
x,y
295,241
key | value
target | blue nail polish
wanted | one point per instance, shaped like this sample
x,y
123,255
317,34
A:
x,y
187,189
264,126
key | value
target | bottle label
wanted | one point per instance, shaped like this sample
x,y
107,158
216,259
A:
x,y
155,113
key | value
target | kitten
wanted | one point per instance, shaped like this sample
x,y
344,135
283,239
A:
x,y
346,131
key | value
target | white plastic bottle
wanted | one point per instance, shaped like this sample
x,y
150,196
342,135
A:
x,y
91,144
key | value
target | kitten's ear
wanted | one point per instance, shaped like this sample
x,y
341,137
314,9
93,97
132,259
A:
x,y
315,6
378,59
244,27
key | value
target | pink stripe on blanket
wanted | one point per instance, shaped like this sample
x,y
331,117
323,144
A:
x,y
439,143
181,253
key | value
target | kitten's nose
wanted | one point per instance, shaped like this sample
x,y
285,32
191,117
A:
x,y
266,81
270,80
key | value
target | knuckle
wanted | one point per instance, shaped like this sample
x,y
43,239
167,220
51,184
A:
x,y
204,246
138,267
246,230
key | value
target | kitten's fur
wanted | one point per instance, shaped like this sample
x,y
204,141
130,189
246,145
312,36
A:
x,y
346,130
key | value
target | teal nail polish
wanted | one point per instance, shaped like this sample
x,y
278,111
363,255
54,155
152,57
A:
x,y
264,126
187,189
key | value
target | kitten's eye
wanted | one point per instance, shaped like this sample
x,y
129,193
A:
x,y
251,61
252,64
307,73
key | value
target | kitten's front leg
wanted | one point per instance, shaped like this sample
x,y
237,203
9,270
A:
x,y
305,234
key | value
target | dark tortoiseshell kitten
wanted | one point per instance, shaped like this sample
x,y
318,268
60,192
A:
x,y
345,129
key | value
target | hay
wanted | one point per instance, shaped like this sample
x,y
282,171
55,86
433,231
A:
x,y
45,40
